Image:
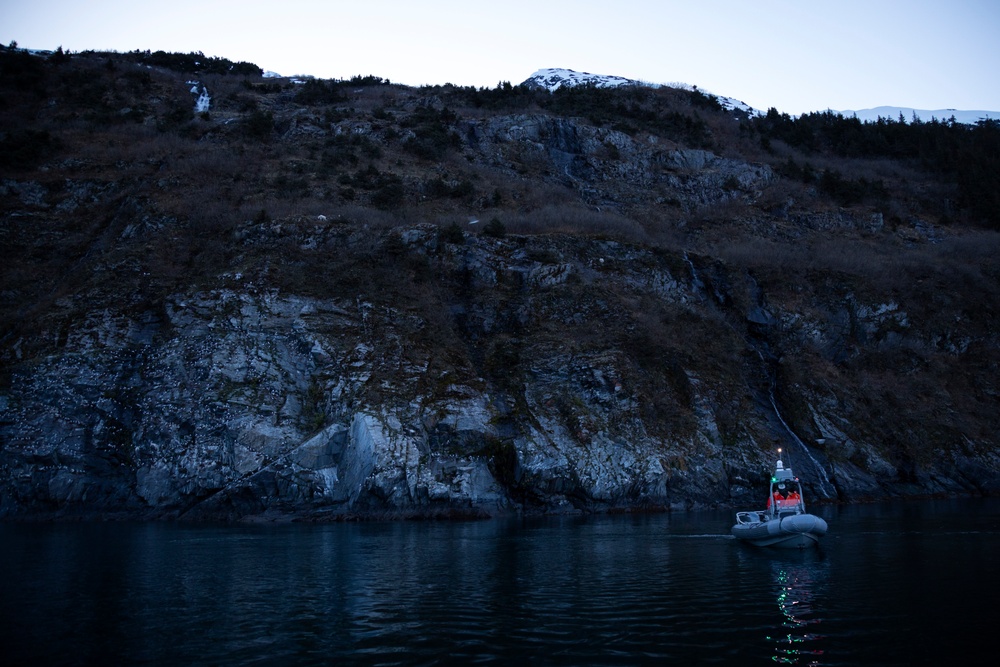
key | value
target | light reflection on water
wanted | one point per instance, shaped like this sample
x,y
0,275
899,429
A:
x,y
798,590
620,590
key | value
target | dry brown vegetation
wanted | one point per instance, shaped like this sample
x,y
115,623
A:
x,y
129,129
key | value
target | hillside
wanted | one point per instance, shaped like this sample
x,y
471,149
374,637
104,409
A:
x,y
229,296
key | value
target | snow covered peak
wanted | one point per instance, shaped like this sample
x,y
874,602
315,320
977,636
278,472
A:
x,y
553,79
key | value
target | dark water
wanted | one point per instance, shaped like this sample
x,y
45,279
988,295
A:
x,y
900,584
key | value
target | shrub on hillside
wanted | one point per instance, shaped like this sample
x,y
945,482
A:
x,y
189,63
24,148
495,229
317,91
433,135
850,191
22,71
452,234
259,124
631,109
504,96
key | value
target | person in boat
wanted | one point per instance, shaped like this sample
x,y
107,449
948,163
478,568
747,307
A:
x,y
778,497
793,497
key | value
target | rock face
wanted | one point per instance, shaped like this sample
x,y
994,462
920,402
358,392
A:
x,y
549,380
609,166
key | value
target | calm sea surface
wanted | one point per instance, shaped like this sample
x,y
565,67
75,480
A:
x,y
896,584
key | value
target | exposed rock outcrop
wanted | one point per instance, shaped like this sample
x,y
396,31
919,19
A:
x,y
607,164
559,394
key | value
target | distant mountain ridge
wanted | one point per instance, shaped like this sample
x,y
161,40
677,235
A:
x,y
909,113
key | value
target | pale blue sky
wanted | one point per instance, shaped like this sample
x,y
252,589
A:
x,y
794,55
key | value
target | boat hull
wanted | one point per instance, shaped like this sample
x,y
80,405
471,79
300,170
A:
x,y
798,531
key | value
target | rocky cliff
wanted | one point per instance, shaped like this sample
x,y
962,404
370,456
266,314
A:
x,y
642,322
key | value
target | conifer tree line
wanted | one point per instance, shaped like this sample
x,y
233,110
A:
x,y
966,154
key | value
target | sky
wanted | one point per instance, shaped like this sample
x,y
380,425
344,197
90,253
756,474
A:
x,y
796,56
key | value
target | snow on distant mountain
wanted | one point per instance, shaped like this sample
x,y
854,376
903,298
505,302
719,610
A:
x,y
908,114
553,79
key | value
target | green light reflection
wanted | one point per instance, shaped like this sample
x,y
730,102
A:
x,y
795,587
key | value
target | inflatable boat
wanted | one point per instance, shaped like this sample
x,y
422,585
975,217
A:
x,y
784,523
